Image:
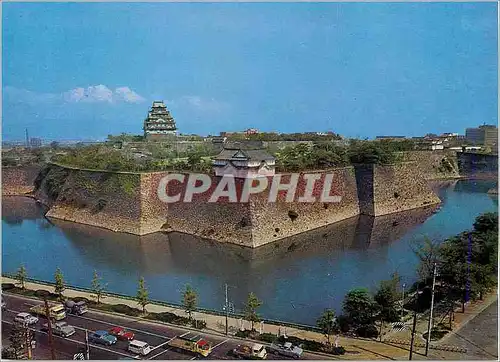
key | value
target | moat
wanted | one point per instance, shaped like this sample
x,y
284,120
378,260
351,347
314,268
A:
x,y
296,278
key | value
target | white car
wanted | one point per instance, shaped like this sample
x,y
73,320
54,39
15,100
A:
x,y
25,319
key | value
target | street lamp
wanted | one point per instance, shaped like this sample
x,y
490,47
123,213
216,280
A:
x,y
403,301
414,321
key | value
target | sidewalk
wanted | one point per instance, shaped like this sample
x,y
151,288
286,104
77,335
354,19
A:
x,y
356,348
472,309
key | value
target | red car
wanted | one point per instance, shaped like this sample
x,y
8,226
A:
x,y
121,333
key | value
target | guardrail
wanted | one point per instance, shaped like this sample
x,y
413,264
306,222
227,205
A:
x,y
173,305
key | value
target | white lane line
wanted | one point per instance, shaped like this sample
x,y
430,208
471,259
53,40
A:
x,y
195,357
168,349
217,345
75,341
156,355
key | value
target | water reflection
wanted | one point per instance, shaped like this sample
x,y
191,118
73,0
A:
x,y
296,277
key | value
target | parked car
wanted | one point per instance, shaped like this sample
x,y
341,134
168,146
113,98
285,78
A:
x,y
77,308
121,334
139,347
286,349
62,329
25,319
102,337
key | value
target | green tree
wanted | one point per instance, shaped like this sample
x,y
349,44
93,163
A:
x,y
142,295
189,300
486,222
17,339
428,253
327,323
359,306
60,285
251,309
387,297
98,287
21,276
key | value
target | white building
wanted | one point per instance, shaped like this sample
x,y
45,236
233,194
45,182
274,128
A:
x,y
242,162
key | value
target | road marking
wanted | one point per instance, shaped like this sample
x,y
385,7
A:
x,y
75,341
156,355
217,345
194,358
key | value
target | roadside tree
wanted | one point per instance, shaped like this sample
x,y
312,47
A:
x,y
98,287
387,297
142,295
359,306
21,276
327,323
189,300
60,286
251,309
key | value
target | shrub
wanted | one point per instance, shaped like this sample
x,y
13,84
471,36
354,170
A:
x,y
8,286
267,337
168,317
121,308
198,324
338,350
367,331
242,334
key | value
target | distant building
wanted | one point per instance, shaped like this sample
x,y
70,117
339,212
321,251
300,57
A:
x,y
251,131
35,142
243,161
486,135
395,138
159,123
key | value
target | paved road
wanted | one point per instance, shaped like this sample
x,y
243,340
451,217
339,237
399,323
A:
x,y
479,336
156,335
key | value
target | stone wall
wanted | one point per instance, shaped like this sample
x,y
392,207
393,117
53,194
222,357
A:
x,y
18,180
129,202
433,165
273,221
392,188
478,165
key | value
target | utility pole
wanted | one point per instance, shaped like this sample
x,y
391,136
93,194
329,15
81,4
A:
x,y
87,348
27,341
49,323
414,324
429,326
403,302
227,311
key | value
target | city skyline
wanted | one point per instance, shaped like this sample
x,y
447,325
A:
x,y
75,71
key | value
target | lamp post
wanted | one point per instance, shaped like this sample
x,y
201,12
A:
x,y
403,301
429,326
414,322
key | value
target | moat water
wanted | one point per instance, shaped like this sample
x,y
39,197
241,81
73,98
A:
x,y
296,278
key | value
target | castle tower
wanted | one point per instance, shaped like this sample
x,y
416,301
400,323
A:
x,y
159,123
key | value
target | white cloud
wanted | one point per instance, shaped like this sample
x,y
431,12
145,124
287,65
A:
x,y
128,95
92,94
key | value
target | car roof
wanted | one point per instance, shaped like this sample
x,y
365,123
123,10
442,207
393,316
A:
x,y
101,333
137,343
117,328
257,346
23,314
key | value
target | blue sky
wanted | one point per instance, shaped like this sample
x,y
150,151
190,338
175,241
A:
x,y
85,70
